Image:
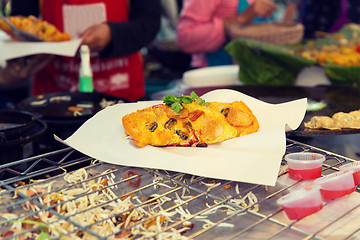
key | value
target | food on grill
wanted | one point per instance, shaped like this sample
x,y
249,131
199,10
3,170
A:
x,y
341,48
339,120
106,103
332,54
342,56
75,109
84,206
44,30
189,121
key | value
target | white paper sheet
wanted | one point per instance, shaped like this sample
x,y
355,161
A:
x,y
253,158
14,49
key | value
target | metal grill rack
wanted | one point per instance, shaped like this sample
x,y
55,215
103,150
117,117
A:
x,y
167,204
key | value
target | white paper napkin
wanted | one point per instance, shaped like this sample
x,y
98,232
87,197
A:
x,y
253,158
14,49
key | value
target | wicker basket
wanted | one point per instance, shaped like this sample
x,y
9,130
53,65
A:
x,y
273,33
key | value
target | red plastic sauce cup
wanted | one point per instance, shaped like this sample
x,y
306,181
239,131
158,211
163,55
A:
x,y
336,185
355,166
301,203
305,165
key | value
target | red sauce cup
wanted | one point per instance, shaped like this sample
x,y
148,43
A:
x,y
336,185
301,203
304,165
355,166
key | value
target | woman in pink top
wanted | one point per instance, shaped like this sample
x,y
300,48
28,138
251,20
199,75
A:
x,y
201,29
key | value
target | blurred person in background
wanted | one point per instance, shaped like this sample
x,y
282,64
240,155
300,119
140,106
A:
x,y
115,31
321,17
201,28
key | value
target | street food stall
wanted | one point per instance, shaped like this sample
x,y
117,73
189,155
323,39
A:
x,y
77,174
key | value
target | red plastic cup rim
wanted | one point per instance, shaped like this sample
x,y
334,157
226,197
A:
x,y
304,160
332,181
355,166
305,157
300,194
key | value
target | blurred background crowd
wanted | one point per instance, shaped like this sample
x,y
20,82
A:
x,y
168,55
158,41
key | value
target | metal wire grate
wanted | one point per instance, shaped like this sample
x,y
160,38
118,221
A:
x,y
137,203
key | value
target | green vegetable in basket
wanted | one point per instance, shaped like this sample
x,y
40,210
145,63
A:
x,y
343,76
266,64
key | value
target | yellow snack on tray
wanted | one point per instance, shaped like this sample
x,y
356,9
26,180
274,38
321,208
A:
x,y
339,120
189,121
43,29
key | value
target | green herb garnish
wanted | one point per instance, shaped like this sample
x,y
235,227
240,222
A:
x,y
44,235
176,102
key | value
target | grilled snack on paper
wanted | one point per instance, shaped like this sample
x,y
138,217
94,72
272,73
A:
x,y
42,29
196,123
339,120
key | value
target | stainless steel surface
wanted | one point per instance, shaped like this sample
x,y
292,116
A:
x,y
217,209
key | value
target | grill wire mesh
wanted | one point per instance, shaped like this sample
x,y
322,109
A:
x,y
82,198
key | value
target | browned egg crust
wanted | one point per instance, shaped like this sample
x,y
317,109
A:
x,y
42,29
195,125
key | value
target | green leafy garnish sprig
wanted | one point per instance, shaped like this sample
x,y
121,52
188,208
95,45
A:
x,y
176,103
44,235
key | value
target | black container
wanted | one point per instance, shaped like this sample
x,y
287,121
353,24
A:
x,y
56,110
14,123
22,145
